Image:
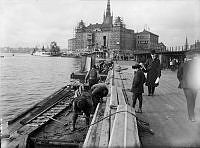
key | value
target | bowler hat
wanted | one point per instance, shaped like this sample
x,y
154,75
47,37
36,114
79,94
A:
x,y
153,51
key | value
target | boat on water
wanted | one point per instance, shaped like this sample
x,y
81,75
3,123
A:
x,y
70,55
42,53
47,123
54,50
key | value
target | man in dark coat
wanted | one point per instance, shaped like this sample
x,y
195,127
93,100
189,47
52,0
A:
x,y
137,86
82,102
153,70
189,77
99,91
92,76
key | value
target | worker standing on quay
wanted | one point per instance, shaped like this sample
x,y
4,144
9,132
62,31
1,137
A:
x,y
137,86
153,70
92,76
189,77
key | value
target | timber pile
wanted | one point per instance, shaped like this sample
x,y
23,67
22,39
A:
x,y
119,129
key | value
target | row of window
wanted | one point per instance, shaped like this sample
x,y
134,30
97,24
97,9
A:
x,y
142,37
143,42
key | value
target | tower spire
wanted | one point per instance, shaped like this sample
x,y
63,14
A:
x,y
108,9
108,19
186,44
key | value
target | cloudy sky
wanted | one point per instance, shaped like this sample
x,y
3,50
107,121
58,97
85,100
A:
x,y
37,22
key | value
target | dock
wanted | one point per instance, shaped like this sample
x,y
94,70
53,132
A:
x,y
163,123
165,113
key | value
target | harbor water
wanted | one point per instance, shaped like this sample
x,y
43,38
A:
x,y
27,79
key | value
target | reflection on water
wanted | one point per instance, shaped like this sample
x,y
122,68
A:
x,y
26,79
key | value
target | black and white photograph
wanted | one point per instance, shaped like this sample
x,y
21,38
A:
x,y
99,73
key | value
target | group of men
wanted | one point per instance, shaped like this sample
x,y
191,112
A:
x,y
87,101
153,71
188,75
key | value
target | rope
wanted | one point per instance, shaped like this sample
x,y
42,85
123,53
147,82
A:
x,y
144,126
141,122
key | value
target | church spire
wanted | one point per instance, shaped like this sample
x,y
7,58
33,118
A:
x,y
108,19
108,9
186,44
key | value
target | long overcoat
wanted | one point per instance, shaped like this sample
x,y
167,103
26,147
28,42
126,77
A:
x,y
138,82
189,74
153,71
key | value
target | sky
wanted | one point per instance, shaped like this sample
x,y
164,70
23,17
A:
x,y
30,23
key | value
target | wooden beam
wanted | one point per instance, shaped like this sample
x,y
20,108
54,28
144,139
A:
x,y
114,99
89,137
112,74
120,96
131,138
124,132
105,135
23,141
117,134
113,105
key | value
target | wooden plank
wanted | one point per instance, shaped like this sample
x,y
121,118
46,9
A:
x,y
47,105
113,105
89,137
131,138
117,78
23,142
113,100
120,96
117,133
112,118
113,75
105,135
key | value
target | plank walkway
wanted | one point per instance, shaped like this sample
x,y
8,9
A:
x,y
166,113
120,128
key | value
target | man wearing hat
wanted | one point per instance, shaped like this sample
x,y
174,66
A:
x,y
153,70
137,86
93,76
189,77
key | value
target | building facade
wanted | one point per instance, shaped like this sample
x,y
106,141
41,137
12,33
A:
x,y
195,46
146,40
111,35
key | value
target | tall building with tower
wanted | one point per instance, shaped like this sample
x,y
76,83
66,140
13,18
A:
x,y
110,35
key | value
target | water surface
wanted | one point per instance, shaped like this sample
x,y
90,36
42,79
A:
x,y
27,79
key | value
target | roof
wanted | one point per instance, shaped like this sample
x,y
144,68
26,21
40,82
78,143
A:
x,y
145,31
93,26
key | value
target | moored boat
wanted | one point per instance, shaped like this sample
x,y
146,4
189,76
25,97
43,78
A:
x,y
70,55
25,129
42,53
48,122
54,50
